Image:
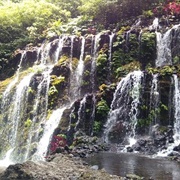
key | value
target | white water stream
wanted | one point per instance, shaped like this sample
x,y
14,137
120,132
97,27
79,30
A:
x,y
164,54
50,126
5,98
154,98
110,57
176,135
127,87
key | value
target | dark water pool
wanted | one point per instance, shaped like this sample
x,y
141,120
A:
x,y
125,163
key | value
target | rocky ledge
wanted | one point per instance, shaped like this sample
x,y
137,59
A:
x,y
60,167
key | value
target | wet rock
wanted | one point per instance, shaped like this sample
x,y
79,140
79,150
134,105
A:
x,y
95,167
142,142
177,148
160,140
129,149
60,167
133,177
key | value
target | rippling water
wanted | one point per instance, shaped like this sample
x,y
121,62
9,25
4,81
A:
x,y
124,163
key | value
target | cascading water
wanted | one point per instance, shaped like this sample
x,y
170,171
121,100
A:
x,y
71,51
155,25
135,95
93,113
125,99
110,56
20,99
42,92
6,94
6,161
15,113
44,51
176,136
163,49
177,111
154,98
59,47
76,78
81,111
50,126
164,54
94,56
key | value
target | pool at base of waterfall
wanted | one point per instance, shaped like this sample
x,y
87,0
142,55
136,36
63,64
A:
x,y
122,164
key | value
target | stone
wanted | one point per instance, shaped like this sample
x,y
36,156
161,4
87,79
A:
x,y
60,167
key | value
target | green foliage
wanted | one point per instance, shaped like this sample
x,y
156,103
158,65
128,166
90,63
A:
x,y
52,91
52,96
148,13
167,70
102,68
123,30
101,60
64,60
164,107
28,123
91,7
151,117
56,81
97,127
148,48
87,59
30,90
62,135
102,108
27,21
176,59
124,70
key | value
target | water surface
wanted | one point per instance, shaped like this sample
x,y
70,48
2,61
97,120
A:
x,y
125,163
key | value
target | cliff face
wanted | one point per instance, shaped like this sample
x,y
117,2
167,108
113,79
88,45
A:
x,y
117,85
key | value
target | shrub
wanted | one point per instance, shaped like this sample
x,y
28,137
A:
x,y
57,141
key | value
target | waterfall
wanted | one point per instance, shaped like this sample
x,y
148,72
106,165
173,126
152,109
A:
x,y
176,136
155,24
154,98
59,47
6,161
125,99
20,101
44,51
15,116
164,54
81,111
6,94
71,51
177,111
110,56
15,113
80,67
163,48
76,78
42,92
93,113
135,95
49,128
93,64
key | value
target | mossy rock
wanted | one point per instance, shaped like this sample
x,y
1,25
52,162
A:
x,y
124,70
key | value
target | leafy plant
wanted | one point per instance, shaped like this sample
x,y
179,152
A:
x,y
102,108
97,126
57,141
28,123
